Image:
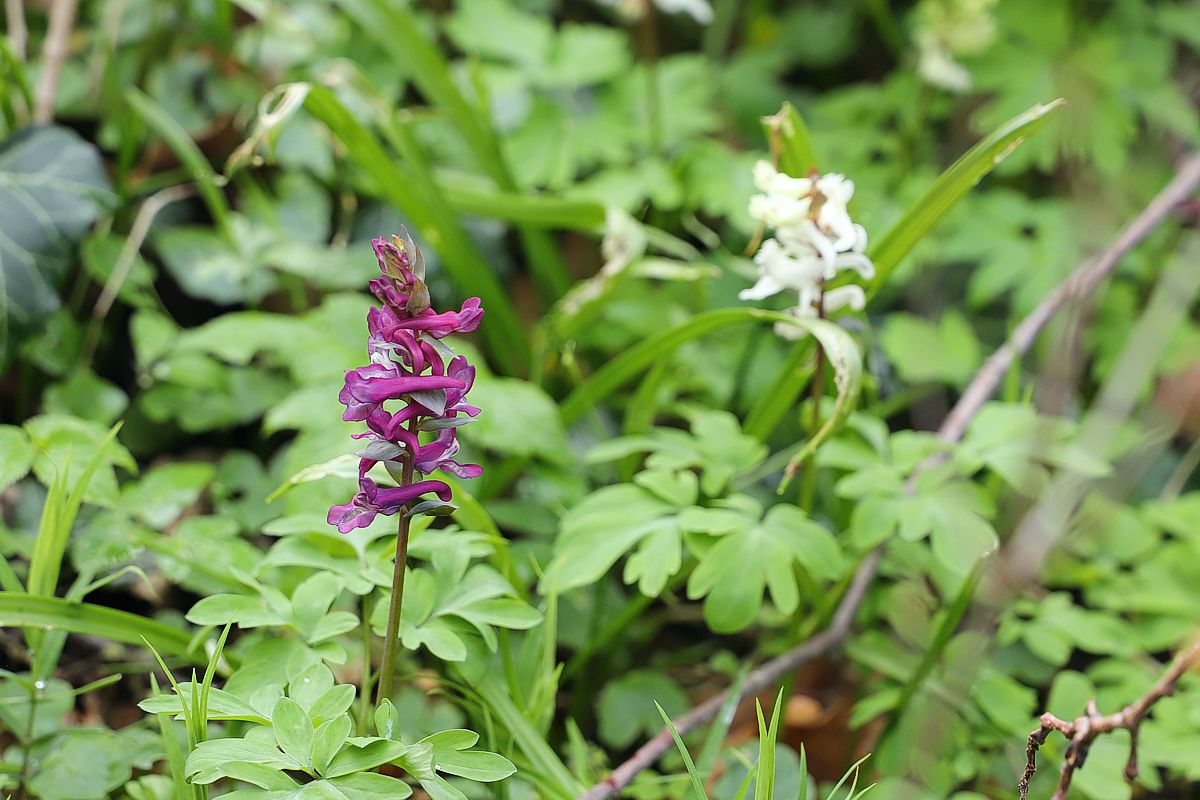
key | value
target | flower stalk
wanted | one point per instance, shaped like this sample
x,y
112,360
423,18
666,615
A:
x,y
396,603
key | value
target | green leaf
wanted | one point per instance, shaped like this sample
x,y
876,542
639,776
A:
x,y
843,355
16,454
85,765
789,135
66,445
328,740
293,731
951,186
357,758
733,574
607,524
221,705
519,419
163,493
923,351
369,786
211,266
625,708
210,760
437,602
52,188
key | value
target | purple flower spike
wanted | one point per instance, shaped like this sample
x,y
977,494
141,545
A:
x,y
407,366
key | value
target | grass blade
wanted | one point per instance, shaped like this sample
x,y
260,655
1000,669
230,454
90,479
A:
x,y
841,351
556,777
410,193
474,196
30,610
720,727
624,367
764,784
951,186
781,395
207,181
697,783
395,28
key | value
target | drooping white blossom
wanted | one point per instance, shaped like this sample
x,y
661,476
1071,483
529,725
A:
x,y
814,240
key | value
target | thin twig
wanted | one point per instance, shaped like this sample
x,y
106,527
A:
x,y
138,232
18,34
1081,283
1083,730
760,679
54,52
1084,280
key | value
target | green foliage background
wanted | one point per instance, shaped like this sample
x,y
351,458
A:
x,y
184,249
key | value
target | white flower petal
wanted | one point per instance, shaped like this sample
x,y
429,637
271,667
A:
x,y
851,296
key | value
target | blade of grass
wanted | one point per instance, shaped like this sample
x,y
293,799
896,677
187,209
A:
x,y
58,517
474,196
30,610
59,512
713,742
176,758
852,771
557,778
764,784
697,783
781,394
625,366
207,181
503,334
395,27
951,186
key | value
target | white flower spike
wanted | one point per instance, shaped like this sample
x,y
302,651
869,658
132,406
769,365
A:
x,y
815,238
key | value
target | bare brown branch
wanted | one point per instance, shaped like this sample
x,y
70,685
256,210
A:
x,y
1084,730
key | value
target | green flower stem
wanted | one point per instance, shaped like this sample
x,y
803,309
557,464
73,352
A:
x,y
364,692
809,483
396,602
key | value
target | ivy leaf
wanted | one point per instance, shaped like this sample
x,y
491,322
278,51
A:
x,y
52,188
733,575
